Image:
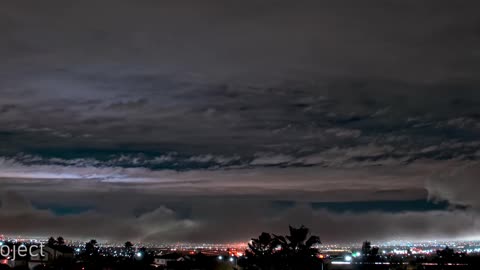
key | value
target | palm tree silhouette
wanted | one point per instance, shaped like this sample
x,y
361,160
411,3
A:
x,y
263,245
291,252
298,242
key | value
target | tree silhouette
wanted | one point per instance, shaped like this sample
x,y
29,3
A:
x,y
51,241
369,252
91,247
260,252
291,252
129,249
297,249
60,241
366,248
128,245
446,255
263,245
298,242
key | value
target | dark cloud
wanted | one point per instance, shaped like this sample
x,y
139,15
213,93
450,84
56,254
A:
x,y
306,101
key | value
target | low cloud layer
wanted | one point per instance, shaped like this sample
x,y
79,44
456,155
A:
x,y
223,220
235,204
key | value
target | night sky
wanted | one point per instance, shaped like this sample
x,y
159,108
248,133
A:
x,y
195,121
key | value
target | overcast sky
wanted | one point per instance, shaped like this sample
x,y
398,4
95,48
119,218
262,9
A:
x,y
217,120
